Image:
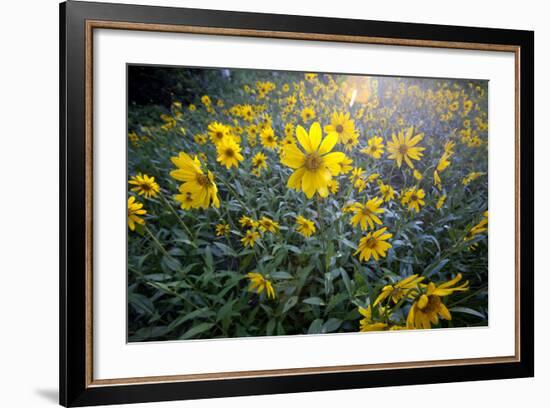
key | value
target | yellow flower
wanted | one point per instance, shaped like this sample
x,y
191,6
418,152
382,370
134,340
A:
x,y
406,287
366,213
247,222
250,238
258,284
313,169
333,186
259,161
350,141
186,200
268,138
205,99
310,76
366,324
201,187
386,191
345,165
441,201
428,307
343,126
135,209
200,139
471,177
144,185
304,226
217,132
229,152
308,114
192,108
417,175
414,198
374,148
356,176
403,147
289,129
479,228
222,229
267,224
374,244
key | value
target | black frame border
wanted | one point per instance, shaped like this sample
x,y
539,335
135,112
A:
x,y
73,389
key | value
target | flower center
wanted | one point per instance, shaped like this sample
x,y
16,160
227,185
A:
x,y
229,152
414,197
219,135
371,242
403,149
146,187
339,128
366,211
203,180
313,161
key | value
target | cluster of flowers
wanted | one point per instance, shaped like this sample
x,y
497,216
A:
x,y
318,162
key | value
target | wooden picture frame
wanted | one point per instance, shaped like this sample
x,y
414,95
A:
x,y
78,20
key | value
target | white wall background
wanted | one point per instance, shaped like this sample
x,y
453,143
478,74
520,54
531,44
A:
x,y
29,201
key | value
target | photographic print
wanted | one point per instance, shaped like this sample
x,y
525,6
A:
x,y
265,203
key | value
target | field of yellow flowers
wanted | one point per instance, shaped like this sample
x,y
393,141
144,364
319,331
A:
x,y
279,203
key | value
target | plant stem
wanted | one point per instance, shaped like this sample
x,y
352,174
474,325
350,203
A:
x,y
173,211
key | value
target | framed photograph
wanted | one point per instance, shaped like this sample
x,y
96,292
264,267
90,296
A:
x,y
256,204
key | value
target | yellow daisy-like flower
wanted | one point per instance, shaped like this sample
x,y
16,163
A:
x,y
374,245
258,284
222,229
289,129
144,185
428,307
304,226
192,108
471,177
367,213
351,141
259,161
406,287
403,147
375,147
310,76
135,209
345,165
307,114
268,138
229,152
386,191
197,185
316,165
205,99
250,238
218,132
200,138
267,224
366,324
414,198
479,228
342,125
356,176
333,186
247,222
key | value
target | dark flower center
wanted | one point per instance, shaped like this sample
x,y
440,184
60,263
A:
x,y
403,149
339,128
313,161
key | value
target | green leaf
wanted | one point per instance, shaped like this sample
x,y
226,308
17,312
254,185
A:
x,y
315,326
290,303
314,301
331,325
281,275
198,329
468,311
